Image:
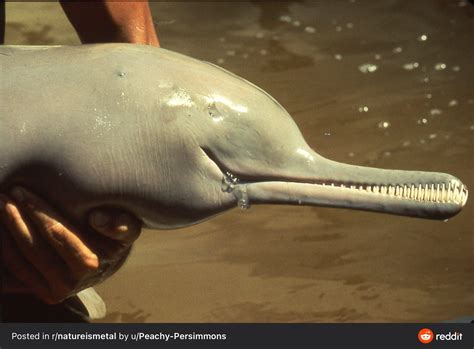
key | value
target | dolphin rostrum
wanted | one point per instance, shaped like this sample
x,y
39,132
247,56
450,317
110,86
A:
x,y
175,141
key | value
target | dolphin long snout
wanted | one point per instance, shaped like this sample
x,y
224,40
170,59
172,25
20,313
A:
x,y
329,183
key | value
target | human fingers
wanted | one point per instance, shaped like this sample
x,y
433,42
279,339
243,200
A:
x,y
69,245
116,224
35,250
15,264
11,284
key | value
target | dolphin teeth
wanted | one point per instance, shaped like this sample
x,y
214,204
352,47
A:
x,y
464,195
434,192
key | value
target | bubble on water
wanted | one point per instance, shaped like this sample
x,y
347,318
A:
x,y
422,121
387,154
121,74
263,52
456,68
259,35
377,56
384,124
286,19
351,154
410,66
220,61
433,136
429,96
425,80
423,37
230,52
453,103
296,23
337,57
338,28
310,30
436,111
363,109
367,68
440,66
397,49
349,25
327,133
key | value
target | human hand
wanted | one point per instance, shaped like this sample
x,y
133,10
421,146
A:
x,y
45,256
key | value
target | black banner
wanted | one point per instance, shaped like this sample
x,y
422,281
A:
x,y
327,336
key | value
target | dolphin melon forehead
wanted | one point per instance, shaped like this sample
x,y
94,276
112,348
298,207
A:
x,y
209,78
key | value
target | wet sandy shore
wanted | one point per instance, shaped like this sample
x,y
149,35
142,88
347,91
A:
x,y
293,264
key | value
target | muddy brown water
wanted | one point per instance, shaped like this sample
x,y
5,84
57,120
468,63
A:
x,y
386,84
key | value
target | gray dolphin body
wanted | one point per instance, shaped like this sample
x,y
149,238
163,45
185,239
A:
x,y
175,141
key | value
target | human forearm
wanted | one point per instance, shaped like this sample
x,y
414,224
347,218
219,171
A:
x,y
112,21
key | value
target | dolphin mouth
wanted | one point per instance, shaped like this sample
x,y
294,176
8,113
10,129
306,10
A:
x,y
407,193
433,201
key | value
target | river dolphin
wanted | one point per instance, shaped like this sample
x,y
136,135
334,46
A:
x,y
175,141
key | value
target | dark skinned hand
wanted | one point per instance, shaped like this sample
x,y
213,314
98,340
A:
x,y
51,259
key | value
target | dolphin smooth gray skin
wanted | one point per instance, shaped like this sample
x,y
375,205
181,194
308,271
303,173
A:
x,y
175,141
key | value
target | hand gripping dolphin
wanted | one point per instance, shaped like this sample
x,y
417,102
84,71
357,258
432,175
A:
x,y
175,141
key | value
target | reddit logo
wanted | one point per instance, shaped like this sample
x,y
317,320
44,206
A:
x,y
425,335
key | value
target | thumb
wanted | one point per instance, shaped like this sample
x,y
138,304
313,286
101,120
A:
x,y
116,224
